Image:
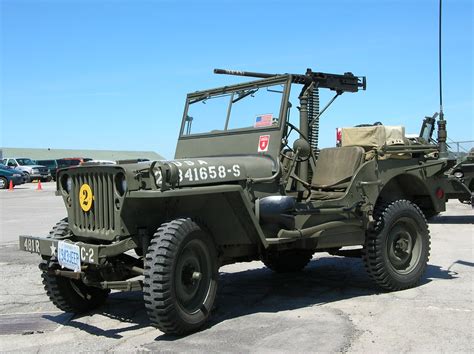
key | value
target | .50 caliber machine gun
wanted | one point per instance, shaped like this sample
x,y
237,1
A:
x,y
339,83
309,100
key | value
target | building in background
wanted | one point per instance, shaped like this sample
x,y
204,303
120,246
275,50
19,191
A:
x,y
45,154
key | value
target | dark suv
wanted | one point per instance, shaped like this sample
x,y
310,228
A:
x,y
52,166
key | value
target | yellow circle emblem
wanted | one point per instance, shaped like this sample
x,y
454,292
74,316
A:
x,y
85,197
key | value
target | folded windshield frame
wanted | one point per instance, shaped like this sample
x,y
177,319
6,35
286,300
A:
x,y
247,88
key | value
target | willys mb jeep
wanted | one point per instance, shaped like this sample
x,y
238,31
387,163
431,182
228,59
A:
x,y
246,184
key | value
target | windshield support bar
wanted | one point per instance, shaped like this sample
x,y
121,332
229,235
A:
x,y
229,109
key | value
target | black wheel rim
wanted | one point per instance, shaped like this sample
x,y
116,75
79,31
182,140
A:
x,y
193,276
404,245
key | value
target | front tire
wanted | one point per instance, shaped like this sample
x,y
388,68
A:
x,y
70,295
181,274
397,250
3,183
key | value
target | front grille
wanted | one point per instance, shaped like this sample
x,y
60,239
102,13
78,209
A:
x,y
101,217
43,170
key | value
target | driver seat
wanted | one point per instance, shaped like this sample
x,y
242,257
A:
x,y
334,170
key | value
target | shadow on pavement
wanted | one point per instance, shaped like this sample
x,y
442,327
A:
x,y
436,272
461,262
452,219
325,280
125,307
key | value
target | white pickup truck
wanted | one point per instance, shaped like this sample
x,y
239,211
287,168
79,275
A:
x,y
30,168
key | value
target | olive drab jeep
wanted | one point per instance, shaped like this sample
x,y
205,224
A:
x,y
247,183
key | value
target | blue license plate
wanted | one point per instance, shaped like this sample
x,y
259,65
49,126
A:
x,y
69,256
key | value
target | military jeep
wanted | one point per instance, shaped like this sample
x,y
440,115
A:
x,y
246,184
464,172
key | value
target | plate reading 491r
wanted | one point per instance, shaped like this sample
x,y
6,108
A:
x,y
69,256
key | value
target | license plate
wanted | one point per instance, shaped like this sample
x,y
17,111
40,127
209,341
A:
x,y
69,256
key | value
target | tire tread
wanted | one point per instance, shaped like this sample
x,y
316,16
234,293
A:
x,y
372,253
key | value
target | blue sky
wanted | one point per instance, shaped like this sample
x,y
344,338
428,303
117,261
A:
x,y
114,74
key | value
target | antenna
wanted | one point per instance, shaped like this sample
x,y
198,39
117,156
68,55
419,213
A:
x,y
442,133
439,62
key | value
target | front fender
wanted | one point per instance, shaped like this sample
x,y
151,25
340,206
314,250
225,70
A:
x,y
225,210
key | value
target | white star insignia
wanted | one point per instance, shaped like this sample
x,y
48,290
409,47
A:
x,y
53,249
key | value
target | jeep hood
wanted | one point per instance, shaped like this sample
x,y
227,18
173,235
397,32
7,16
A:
x,y
217,170
191,171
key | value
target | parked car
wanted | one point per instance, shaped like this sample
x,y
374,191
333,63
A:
x,y
26,165
127,161
52,166
72,161
101,162
7,175
14,170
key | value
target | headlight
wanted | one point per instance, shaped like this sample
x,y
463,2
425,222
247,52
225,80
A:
x,y
120,184
16,175
458,174
34,170
66,183
124,185
69,184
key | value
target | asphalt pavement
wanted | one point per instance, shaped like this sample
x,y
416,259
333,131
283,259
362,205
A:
x,y
332,306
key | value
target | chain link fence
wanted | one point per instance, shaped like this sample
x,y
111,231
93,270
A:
x,y
461,148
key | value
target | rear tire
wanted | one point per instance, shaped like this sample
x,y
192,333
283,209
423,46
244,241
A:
x,y
70,295
3,183
397,250
288,261
181,274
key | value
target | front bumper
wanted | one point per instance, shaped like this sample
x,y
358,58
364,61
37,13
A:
x,y
39,175
89,253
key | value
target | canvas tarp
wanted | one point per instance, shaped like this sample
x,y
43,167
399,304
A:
x,y
373,137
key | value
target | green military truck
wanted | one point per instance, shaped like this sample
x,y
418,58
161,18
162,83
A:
x,y
247,183
464,172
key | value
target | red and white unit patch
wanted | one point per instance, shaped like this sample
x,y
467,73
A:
x,y
263,143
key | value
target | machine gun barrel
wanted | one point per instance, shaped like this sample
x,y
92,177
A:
x,y
347,82
243,73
